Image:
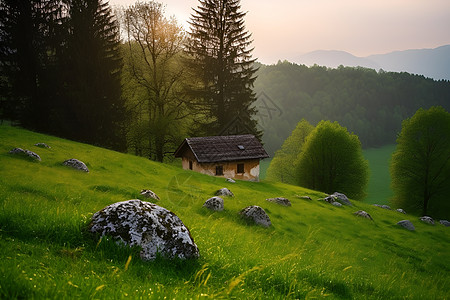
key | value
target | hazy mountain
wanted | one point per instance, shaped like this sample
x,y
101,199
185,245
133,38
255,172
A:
x,y
433,63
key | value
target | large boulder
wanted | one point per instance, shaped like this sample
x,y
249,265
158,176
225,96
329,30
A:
x,y
280,201
406,224
341,198
214,203
362,213
224,192
76,164
149,194
25,153
257,215
147,225
427,219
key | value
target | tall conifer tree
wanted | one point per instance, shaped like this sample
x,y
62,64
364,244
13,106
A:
x,y
219,55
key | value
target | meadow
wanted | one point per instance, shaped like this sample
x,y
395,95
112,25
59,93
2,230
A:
x,y
312,249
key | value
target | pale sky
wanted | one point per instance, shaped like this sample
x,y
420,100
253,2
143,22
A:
x,y
285,29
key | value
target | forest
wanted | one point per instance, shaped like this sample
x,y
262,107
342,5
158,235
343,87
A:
x,y
369,103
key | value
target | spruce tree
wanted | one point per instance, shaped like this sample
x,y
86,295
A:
x,y
93,107
223,72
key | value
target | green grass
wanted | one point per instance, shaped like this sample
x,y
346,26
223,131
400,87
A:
x,y
379,190
313,249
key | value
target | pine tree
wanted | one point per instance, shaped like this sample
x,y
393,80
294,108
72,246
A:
x,y
219,55
93,109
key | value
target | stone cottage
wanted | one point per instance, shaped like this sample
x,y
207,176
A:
x,y
231,156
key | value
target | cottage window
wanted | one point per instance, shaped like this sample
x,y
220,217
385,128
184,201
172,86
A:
x,y
190,165
240,168
219,170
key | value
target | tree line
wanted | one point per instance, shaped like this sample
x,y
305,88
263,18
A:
x,y
131,80
369,103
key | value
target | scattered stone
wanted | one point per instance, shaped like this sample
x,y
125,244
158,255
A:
x,y
214,203
231,180
149,194
304,197
25,152
383,206
427,219
42,145
341,198
147,225
329,199
363,214
401,211
335,203
280,200
406,224
77,164
445,223
256,214
224,192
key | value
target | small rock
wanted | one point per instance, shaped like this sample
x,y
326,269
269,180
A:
x,y
427,219
25,152
224,192
147,225
406,224
231,180
329,199
341,198
445,223
335,203
256,214
214,203
363,214
280,200
149,194
401,211
76,164
304,197
383,206
42,145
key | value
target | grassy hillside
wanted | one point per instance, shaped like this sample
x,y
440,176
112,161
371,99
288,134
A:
x,y
312,250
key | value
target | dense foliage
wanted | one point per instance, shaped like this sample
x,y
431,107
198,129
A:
x,y
420,167
60,66
283,165
371,104
331,161
222,68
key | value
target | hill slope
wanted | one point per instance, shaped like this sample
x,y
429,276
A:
x,y
313,249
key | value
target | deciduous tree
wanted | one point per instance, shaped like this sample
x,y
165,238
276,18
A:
x,y
420,166
332,161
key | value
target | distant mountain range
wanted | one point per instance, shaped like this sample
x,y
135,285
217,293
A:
x,y
432,63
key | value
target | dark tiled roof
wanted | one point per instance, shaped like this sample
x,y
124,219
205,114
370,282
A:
x,y
223,148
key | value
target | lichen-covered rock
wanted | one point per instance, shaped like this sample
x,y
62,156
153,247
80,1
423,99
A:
x,y
341,198
280,201
147,225
427,219
401,211
149,194
257,215
446,223
406,224
224,192
76,164
42,145
363,214
26,153
230,180
214,203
